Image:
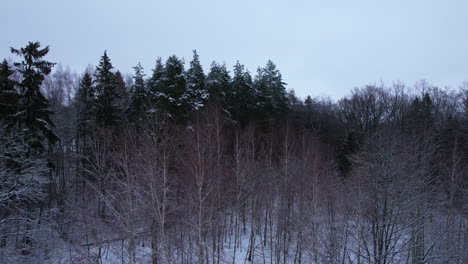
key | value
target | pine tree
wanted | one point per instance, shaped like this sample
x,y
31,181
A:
x,y
8,95
349,147
155,85
218,84
241,97
420,117
309,113
123,93
107,110
35,113
173,97
196,83
138,102
85,105
24,163
271,92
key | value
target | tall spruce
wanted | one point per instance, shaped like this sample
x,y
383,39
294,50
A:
x,y
271,92
349,147
138,100
107,110
85,105
34,110
123,93
196,83
173,96
218,84
24,155
8,95
241,97
155,85
420,116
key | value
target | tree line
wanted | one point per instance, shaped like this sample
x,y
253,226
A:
x,y
184,166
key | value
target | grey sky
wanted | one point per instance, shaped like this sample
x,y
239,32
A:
x,y
321,47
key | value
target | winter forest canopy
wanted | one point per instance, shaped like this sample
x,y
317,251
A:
x,y
181,164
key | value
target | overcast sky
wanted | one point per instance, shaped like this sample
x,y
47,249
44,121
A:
x,y
322,48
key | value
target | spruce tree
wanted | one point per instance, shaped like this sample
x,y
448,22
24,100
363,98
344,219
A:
x,y
173,97
85,105
155,85
271,92
218,84
349,147
420,116
138,102
107,109
196,83
241,97
35,113
8,95
24,161
123,93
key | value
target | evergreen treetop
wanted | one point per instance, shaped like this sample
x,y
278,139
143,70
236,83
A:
x,y
107,110
138,100
196,83
8,94
35,113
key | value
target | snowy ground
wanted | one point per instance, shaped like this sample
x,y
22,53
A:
x,y
115,253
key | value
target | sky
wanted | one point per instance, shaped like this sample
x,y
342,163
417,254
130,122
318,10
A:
x,y
322,48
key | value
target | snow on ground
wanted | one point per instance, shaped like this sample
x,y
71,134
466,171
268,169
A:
x,y
61,252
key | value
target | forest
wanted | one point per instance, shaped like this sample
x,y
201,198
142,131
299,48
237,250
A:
x,y
210,166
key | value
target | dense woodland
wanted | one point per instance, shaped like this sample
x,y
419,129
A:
x,y
185,165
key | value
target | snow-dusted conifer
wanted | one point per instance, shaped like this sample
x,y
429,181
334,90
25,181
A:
x,y
8,94
107,112
271,92
138,101
35,114
241,97
196,91
218,84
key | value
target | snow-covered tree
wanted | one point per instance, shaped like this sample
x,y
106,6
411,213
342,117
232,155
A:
x,y
197,93
85,104
35,113
24,153
241,96
107,110
271,92
173,97
218,84
123,92
8,94
138,93
23,176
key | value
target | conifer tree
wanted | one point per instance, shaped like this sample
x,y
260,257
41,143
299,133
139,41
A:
x,y
271,92
420,117
196,83
241,97
35,113
123,93
85,105
173,97
155,84
107,110
24,161
308,109
137,108
218,84
348,148
8,94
